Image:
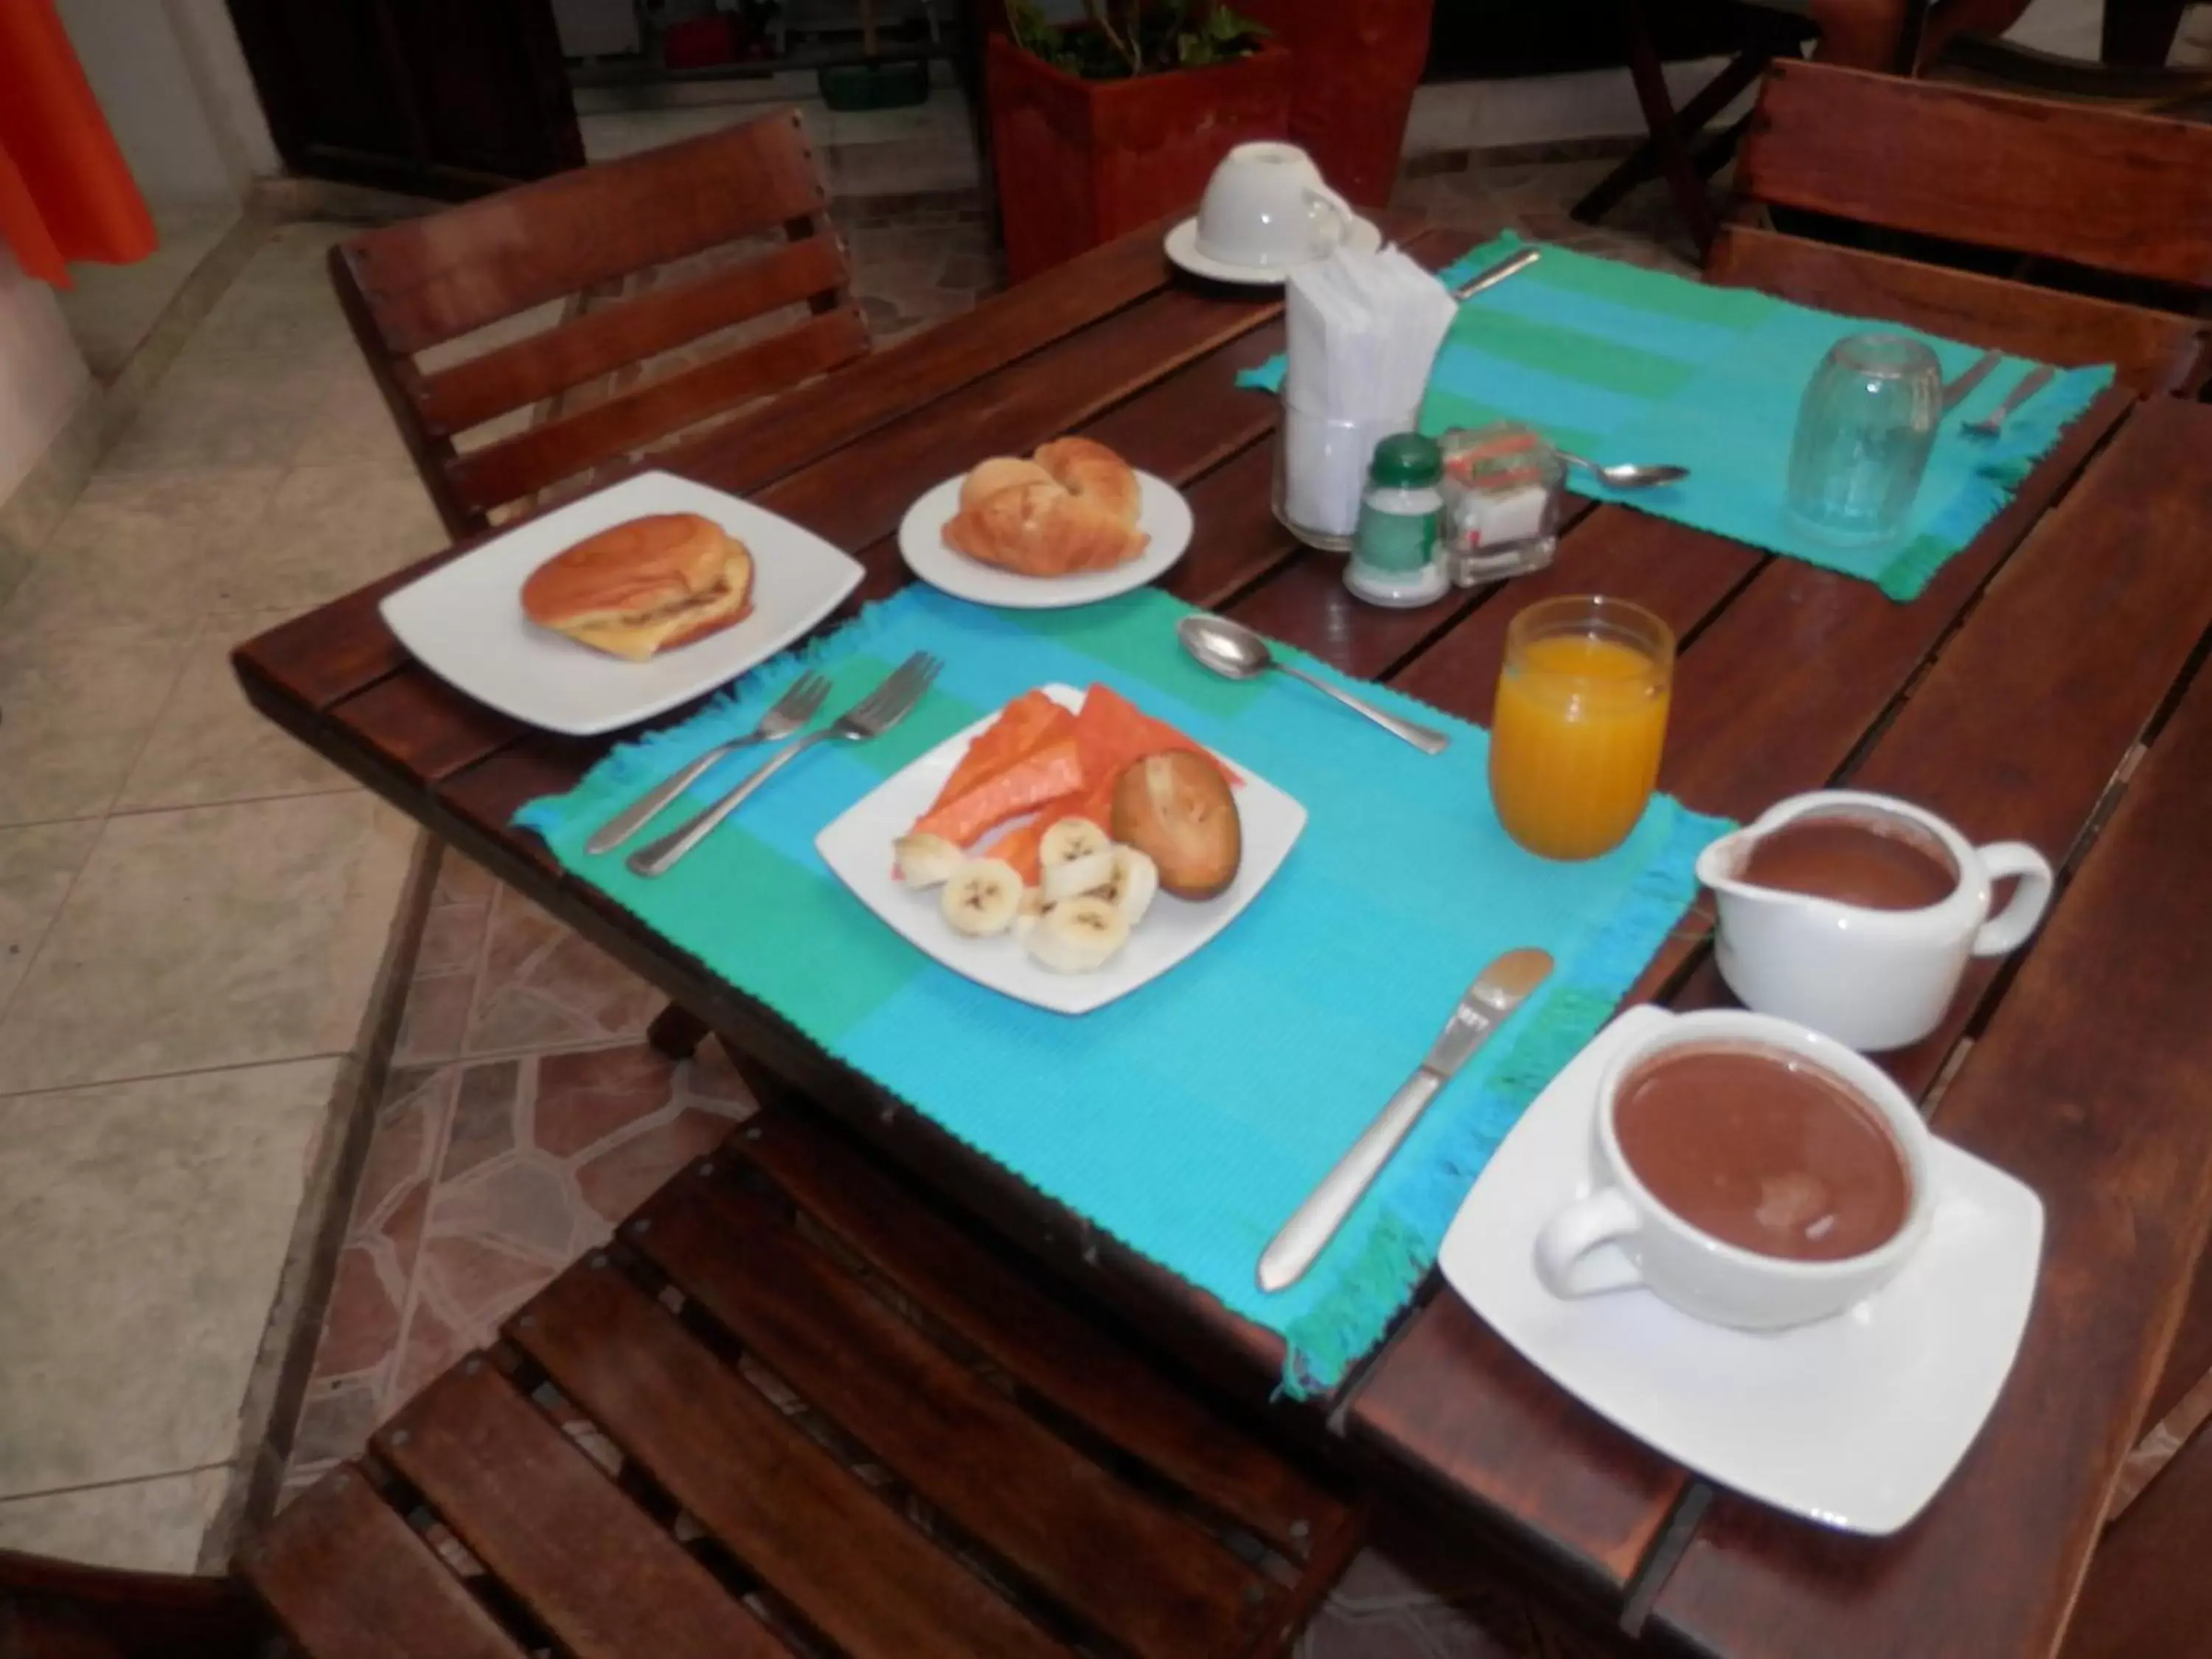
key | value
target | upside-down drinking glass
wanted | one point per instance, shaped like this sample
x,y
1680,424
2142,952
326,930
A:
x,y
1864,431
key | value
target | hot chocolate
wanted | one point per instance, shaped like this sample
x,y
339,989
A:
x,y
1763,1150
1865,859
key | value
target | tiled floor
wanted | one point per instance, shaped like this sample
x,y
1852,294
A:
x,y
111,308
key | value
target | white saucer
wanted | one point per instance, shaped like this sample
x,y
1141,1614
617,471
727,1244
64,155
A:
x,y
1363,237
1854,1422
1162,514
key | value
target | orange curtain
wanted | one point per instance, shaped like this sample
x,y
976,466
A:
x,y
65,191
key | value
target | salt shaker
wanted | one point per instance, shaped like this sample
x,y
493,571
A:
x,y
1503,486
1394,555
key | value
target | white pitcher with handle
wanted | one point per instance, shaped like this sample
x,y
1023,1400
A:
x,y
1872,978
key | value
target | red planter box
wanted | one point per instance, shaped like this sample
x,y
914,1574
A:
x,y
1081,161
1355,65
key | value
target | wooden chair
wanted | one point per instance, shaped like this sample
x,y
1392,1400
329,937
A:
x,y
2087,196
797,1406
743,326
59,1610
1677,148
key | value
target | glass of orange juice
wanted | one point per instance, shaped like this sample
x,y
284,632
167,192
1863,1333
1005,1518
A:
x,y
1581,718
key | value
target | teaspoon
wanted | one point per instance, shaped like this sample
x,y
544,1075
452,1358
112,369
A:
x,y
1235,653
1628,475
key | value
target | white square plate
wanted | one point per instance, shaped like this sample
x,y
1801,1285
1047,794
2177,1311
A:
x,y
1853,1422
463,621
858,846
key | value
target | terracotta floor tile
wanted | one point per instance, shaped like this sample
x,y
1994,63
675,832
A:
x,y
620,1179
362,1326
523,1203
435,1020
433,1343
476,1284
453,934
335,1420
710,1074
485,1103
561,991
582,1098
403,1146
462,880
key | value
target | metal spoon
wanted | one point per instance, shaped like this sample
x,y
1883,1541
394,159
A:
x,y
1628,475
1235,653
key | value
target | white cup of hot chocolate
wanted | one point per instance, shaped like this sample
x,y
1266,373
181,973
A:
x,y
1856,914
1750,1171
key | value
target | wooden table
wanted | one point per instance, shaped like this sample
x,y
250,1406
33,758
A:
x,y
2016,697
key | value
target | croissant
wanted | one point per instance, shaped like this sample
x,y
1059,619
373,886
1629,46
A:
x,y
1073,508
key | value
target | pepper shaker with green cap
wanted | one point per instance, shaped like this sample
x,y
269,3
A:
x,y
1394,556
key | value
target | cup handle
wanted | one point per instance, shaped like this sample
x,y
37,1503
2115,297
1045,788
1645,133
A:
x,y
2011,925
1563,1246
1337,205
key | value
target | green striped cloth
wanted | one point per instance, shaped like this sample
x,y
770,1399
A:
x,y
1619,363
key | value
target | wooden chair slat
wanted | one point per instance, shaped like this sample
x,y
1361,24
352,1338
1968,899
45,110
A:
x,y
561,1538
627,331
1149,1578
2118,1148
570,444
815,1535
348,1579
1024,1326
2128,194
2151,351
433,279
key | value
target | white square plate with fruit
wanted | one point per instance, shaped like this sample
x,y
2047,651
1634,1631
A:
x,y
1102,935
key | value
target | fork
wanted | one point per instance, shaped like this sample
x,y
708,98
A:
x,y
1993,422
791,711
873,715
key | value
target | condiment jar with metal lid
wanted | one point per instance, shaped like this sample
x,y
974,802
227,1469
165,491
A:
x,y
1394,556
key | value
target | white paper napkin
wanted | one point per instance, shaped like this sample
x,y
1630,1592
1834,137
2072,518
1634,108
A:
x,y
1363,330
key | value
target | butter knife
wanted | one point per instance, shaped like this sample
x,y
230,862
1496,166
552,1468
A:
x,y
1511,264
1955,393
1497,992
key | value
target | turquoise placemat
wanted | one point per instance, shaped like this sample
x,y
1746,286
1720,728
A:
x,y
1619,363
1188,1119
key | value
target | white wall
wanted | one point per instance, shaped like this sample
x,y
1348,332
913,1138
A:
x,y
174,86
41,374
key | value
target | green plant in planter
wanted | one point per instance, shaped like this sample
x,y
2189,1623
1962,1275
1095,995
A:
x,y
1114,42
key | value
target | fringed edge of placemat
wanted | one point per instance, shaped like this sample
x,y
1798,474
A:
x,y
1325,1343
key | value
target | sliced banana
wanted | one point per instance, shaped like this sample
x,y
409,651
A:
x,y
1077,935
1080,874
1027,912
924,860
981,897
1071,839
1132,887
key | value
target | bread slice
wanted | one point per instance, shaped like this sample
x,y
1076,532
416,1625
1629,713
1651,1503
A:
x,y
644,586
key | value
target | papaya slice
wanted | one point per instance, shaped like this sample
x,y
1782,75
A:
x,y
1023,725
1111,732
1045,775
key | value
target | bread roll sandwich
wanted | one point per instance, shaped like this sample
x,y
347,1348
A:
x,y
1072,509
644,586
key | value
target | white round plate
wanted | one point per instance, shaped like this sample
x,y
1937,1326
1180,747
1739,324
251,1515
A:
x,y
1183,247
1162,514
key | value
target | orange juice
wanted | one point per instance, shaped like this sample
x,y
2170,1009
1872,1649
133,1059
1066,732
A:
x,y
1580,720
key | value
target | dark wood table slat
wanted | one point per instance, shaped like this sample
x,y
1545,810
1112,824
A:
x,y
2121,559
591,1568
1071,1360
1146,1576
884,1593
351,1580
1778,689
2090,1086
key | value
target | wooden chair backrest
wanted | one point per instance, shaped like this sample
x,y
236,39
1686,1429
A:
x,y
598,239
51,1609
2151,351
2127,194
